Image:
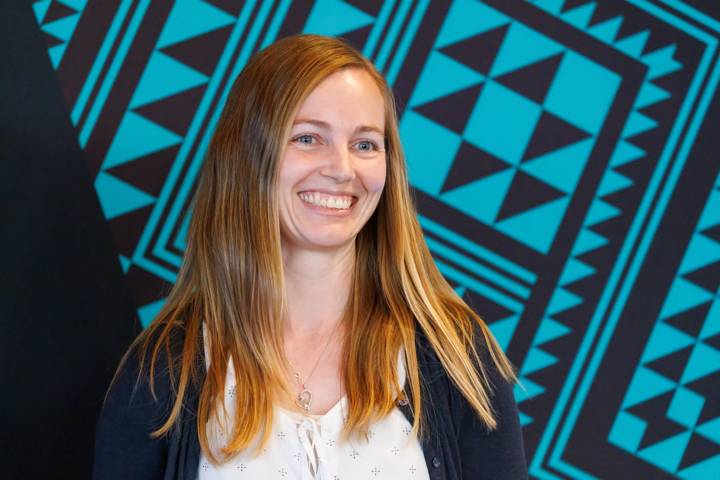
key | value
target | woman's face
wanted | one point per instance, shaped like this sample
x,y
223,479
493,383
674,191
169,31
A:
x,y
332,171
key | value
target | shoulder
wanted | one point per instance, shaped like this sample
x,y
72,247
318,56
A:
x,y
126,443
498,453
482,453
139,393
132,393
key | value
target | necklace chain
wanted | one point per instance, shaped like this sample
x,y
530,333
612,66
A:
x,y
304,398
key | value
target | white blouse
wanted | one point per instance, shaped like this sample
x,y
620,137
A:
x,y
308,447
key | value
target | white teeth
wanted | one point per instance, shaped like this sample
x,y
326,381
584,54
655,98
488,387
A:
x,y
327,201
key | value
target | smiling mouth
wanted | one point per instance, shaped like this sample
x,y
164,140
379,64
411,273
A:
x,y
329,202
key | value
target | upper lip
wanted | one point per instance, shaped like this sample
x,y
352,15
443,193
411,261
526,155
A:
x,y
329,192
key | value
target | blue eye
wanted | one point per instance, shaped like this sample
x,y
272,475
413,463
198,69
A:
x,y
372,144
304,136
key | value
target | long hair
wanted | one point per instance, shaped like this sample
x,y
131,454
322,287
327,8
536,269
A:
x,y
232,279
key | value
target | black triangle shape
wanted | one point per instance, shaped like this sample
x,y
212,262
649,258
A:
x,y
534,80
525,193
579,287
707,386
552,133
202,52
654,412
708,277
598,258
176,111
486,308
712,232
549,377
631,25
603,11
478,52
128,228
51,40
565,350
690,321
144,286
698,449
56,11
660,112
637,171
655,42
625,200
452,111
713,341
471,164
228,6
148,173
371,7
358,37
672,365
564,346
572,315
571,4
610,227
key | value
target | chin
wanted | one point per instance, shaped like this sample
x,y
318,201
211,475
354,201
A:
x,y
330,243
327,241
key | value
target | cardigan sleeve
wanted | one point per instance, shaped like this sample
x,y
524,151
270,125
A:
x,y
497,454
123,446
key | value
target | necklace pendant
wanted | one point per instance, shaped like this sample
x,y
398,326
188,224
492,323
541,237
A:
x,y
303,399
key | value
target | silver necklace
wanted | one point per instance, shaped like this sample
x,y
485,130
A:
x,y
304,398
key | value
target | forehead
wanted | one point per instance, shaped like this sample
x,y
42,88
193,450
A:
x,y
347,97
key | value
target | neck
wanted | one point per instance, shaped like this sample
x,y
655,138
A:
x,y
317,286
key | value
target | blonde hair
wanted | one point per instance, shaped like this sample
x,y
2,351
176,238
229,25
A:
x,y
232,273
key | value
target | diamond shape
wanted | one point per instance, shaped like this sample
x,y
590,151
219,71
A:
x,y
582,92
502,122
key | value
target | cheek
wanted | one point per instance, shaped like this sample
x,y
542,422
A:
x,y
291,171
374,177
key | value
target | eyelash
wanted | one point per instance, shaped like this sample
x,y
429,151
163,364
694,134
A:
x,y
375,146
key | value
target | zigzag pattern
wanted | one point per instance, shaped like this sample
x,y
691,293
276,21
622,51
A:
x,y
58,19
670,415
606,206
159,116
162,111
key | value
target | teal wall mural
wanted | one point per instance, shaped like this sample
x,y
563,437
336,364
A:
x,y
552,151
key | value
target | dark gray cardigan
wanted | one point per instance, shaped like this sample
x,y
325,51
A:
x,y
457,446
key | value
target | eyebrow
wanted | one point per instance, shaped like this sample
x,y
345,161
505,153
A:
x,y
325,125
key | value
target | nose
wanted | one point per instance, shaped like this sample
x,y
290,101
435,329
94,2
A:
x,y
339,165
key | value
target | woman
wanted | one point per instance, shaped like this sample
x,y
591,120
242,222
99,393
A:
x,y
309,333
